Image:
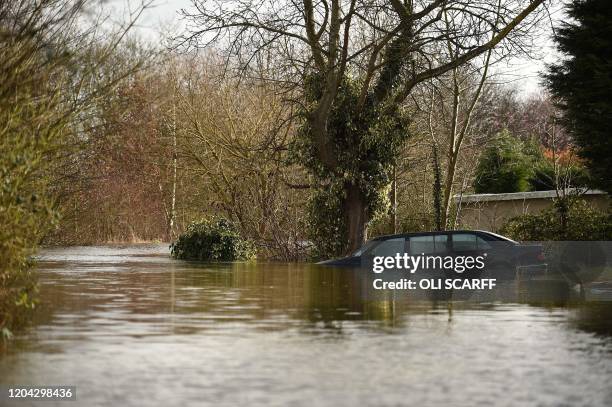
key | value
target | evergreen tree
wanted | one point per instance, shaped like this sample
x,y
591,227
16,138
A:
x,y
583,83
504,166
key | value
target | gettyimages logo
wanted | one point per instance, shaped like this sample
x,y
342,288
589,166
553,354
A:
x,y
534,270
412,264
426,264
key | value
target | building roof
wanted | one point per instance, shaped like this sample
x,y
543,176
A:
x,y
521,196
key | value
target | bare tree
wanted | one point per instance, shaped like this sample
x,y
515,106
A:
x,y
232,145
454,98
387,47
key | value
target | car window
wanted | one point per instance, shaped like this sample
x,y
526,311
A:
x,y
389,247
428,244
469,242
482,244
364,248
441,243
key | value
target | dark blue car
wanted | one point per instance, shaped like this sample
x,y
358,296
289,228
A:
x,y
501,252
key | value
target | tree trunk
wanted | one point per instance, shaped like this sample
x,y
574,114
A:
x,y
437,189
357,217
394,201
172,219
448,190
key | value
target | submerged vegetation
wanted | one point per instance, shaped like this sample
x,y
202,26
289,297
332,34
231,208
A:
x,y
212,240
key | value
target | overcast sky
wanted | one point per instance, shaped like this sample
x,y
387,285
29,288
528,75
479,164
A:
x,y
163,16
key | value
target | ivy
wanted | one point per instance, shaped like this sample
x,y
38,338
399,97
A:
x,y
365,143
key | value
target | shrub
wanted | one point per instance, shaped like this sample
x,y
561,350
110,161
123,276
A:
x,y
582,223
212,240
571,173
509,164
31,128
505,166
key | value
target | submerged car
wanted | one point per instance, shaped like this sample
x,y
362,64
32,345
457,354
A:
x,y
501,252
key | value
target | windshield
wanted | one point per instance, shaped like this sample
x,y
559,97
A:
x,y
367,246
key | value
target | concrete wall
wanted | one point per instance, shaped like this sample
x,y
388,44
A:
x,y
490,214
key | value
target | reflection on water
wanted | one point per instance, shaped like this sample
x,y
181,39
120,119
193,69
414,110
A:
x,y
128,326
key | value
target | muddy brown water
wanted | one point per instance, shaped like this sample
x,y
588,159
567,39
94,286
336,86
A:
x,y
128,326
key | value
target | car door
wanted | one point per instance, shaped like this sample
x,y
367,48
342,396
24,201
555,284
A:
x,y
430,245
468,244
497,257
389,247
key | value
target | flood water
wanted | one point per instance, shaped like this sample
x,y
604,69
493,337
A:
x,y
130,327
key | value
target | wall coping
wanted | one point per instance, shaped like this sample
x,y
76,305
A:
x,y
522,196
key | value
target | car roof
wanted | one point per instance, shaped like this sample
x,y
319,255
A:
x,y
440,232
